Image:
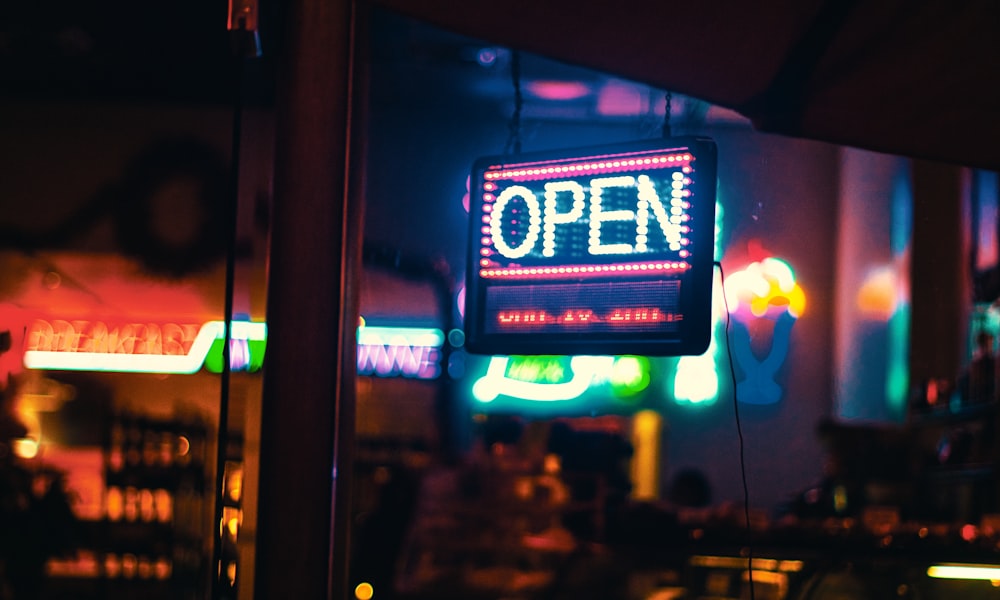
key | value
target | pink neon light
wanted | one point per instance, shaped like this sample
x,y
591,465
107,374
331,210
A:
x,y
569,272
558,90
592,166
635,157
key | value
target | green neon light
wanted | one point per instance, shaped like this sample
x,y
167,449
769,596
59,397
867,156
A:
x,y
250,362
629,376
540,369
696,378
561,378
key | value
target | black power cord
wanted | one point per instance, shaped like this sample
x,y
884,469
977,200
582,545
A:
x,y
739,431
245,45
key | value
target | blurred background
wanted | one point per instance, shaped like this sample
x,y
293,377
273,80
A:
x,y
865,386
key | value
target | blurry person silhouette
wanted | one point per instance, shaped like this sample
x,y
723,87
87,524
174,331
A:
x,y
690,489
17,566
36,521
978,383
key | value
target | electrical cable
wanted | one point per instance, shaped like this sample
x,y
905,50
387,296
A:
x,y
739,431
224,389
219,590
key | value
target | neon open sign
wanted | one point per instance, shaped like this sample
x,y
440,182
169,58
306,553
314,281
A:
x,y
601,251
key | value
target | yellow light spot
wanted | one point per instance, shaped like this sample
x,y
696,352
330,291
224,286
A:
x,y
364,591
962,571
25,447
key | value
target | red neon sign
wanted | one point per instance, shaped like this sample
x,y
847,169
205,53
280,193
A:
x,y
167,339
622,317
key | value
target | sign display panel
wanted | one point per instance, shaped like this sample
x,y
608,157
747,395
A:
x,y
603,250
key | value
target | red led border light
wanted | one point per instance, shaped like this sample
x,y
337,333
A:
x,y
593,165
616,317
612,163
578,270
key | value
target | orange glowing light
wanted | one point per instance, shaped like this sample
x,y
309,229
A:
x,y
25,447
364,591
877,297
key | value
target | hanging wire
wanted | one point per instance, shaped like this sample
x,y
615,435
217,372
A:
x,y
245,46
514,127
666,115
739,431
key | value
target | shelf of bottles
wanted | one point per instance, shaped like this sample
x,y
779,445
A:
x,y
231,517
153,529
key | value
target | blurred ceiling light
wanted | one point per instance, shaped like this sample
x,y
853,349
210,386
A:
x,y
557,90
621,99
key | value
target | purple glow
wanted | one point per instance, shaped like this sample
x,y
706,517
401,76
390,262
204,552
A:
x,y
487,57
388,360
239,354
